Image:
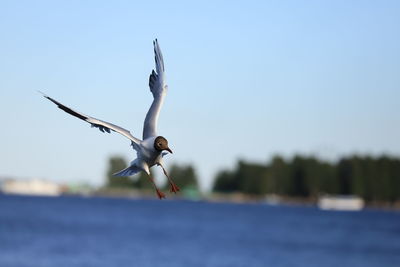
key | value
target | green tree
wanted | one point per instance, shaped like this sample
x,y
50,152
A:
x,y
328,181
252,178
115,164
278,176
184,177
299,177
372,178
225,182
142,181
247,178
395,180
345,176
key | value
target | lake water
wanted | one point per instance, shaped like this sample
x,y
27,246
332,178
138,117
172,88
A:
x,y
75,231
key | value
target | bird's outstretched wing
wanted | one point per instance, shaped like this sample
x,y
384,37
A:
x,y
102,125
159,90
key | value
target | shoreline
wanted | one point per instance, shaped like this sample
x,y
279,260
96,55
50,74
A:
x,y
232,198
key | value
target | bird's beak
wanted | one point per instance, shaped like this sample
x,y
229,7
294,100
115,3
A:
x,y
169,150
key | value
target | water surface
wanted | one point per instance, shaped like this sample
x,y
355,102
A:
x,y
106,232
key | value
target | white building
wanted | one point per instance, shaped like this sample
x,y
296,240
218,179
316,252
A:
x,y
31,187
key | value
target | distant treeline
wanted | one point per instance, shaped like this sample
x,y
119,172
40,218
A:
x,y
372,178
375,179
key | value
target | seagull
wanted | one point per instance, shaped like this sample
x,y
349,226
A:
x,y
151,150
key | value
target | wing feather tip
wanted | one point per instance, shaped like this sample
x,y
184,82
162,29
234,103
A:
x,y
40,92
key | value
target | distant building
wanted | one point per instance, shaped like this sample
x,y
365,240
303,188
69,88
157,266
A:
x,y
31,187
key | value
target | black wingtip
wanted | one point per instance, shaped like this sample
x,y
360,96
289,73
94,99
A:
x,y
49,98
43,94
65,108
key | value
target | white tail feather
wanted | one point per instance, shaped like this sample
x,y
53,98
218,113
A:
x,y
131,170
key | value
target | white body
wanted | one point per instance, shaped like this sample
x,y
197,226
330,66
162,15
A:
x,y
147,156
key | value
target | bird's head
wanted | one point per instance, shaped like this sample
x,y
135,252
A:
x,y
160,144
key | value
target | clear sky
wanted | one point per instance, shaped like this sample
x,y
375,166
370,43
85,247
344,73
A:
x,y
247,80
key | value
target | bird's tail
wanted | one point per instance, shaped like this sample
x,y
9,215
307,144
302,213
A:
x,y
131,170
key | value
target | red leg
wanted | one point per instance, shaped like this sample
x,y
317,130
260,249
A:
x,y
174,188
160,194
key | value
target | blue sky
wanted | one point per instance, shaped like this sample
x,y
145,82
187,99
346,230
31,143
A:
x,y
247,80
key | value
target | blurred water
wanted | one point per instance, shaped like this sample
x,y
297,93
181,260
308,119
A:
x,y
74,231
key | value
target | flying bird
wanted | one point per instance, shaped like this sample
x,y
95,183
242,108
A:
x,y
153,147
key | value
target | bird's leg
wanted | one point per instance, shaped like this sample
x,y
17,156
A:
x,y
160,194
174,187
